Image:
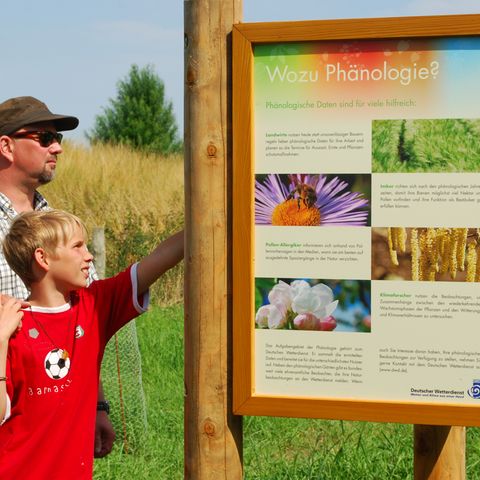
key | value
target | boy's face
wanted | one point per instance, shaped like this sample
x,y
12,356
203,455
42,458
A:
x,y
70,264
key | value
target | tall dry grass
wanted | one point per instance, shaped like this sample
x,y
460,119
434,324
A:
x,y
137,197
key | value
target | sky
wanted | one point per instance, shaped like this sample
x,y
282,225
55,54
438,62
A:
x,y
71,55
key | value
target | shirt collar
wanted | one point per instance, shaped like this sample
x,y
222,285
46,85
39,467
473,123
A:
x,y
39,201
6,207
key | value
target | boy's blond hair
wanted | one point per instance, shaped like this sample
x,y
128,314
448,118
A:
x,y
46,229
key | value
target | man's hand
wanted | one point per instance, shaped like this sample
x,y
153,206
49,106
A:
x,y
104,435
5,298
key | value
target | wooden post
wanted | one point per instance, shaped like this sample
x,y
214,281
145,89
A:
x,y
439,452
213,436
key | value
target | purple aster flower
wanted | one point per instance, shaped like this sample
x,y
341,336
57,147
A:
x,y
308,200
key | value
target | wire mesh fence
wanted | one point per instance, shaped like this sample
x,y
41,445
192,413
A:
x,y
122,384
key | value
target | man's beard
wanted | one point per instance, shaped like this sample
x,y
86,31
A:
x,y
46,177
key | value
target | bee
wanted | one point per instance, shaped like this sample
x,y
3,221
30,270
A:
x,y
304,192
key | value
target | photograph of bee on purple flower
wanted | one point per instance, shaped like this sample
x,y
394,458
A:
x,y
312,304
302,199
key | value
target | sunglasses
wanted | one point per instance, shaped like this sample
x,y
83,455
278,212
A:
x,y
44,138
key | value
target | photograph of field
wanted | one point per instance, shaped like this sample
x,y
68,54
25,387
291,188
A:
x,y
426,254
435,145
313,304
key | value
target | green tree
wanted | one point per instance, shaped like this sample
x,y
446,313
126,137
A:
x,y
139,116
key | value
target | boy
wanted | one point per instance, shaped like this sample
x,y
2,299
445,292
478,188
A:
x,y
50,359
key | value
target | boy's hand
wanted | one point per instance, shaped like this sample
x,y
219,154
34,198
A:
x,y
104,435
10,318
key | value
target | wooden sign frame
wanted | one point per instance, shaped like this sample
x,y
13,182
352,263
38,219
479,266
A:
x,y
245,400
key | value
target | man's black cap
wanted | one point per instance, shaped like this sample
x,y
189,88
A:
x,y
19,112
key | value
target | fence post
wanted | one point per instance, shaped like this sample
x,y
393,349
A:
x,y
439,452
98,250
213,436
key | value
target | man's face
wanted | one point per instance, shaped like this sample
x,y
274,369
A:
x,y
36,161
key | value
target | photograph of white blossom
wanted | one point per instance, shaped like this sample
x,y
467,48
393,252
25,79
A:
x,y
312,200
313,304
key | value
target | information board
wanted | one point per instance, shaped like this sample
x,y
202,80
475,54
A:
x,y
356,219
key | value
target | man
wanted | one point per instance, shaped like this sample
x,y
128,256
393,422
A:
x,y
29,146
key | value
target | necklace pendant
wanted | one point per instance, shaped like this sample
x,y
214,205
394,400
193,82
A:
x,y
57,363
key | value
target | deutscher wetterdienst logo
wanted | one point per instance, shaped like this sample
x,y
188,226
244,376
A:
x,y
474,390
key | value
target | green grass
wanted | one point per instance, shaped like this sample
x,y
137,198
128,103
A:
x,y
304,449
440,145
274,448
386,136
160,335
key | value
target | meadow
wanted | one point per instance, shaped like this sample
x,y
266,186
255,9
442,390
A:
x,y
439,145
139,200
274,448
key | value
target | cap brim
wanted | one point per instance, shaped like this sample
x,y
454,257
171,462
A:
x,y
61,122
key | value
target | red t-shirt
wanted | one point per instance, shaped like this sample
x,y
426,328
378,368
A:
x,y
53,368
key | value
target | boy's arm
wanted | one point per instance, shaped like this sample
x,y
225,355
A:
x,y
164,257
10,322
3,383
104,432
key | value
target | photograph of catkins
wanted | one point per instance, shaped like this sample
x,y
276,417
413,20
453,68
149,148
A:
x,y
426,254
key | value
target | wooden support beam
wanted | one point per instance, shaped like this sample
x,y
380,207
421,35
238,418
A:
x,y
213,436
439,452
